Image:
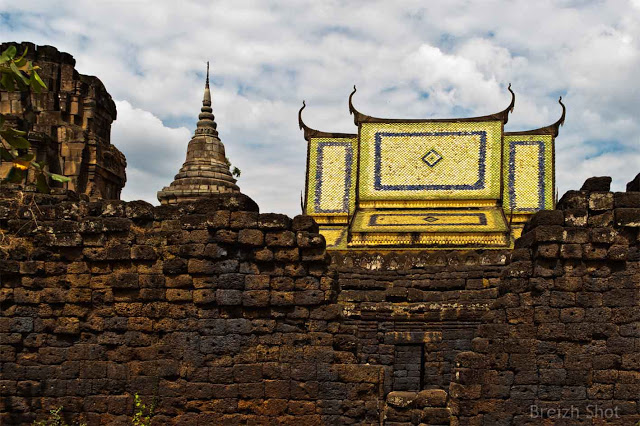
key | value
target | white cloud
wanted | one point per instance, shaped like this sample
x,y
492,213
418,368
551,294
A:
x,y
269,55
154,152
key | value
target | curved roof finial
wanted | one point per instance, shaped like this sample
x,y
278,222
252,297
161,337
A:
x,y
552,129
505,113
300,122
513,98
555,127
560,121
352,110
312,133
207,81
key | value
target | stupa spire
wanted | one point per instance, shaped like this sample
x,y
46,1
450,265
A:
x,y
206,169
206,119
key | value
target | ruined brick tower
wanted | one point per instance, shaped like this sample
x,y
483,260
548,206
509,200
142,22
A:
x,y
69,124
206,169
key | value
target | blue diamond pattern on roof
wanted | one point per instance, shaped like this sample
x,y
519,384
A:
x,y
432,158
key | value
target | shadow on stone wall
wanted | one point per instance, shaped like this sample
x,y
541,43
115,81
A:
x,y
221,315
561,345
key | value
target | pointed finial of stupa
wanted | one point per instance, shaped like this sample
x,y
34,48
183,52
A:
x,y
206,123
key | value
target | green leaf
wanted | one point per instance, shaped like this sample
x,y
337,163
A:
x,y
41,184
10,52
18,73
35,86
59,178
5,155
6,81
26,49
16,141
15,175
16,132
39,80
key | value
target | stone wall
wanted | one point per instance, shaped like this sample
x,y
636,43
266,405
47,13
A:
x,y
221,315
562,343
69,124
218,313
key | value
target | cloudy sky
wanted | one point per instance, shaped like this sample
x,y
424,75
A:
x,y
409,59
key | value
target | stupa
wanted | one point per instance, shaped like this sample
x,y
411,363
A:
x,y
206,169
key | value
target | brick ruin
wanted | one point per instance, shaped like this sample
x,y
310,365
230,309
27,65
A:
x,y
219,314
69,124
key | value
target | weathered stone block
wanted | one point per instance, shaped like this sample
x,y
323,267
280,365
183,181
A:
x,y
575,217
280,239
599,201
143,252
304,223
287,254
627,199
571,251
226,236
178,295
228,297
240,220
255,298
600,220
251,237
274,221
204,296
594,251
597,183
573,200
627,217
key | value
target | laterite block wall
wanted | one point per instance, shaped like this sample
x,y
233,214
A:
x,y
562,343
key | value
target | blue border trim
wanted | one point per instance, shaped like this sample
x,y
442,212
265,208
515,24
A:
x,y
347,177
482,218
340,238
481,163
512,175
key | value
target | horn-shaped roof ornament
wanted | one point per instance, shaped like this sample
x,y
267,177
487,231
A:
x,y
359,118
552,129
352,110
312,133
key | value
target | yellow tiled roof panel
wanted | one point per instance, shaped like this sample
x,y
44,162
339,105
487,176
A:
x,y
331,176
429,221
528,173
335,236
430,161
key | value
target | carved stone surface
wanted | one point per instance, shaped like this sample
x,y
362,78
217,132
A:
x,y
69,124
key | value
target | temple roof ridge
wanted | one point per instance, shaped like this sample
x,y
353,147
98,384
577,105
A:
x,y
359,117
312,133
552,129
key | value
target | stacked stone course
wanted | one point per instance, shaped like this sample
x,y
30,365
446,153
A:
x,y
220,314
561,345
